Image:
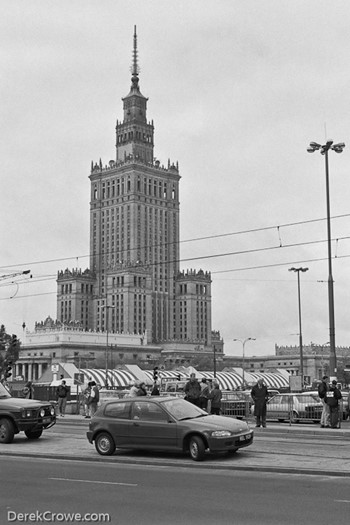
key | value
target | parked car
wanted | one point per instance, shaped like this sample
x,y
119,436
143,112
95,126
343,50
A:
x,y
165,423
28,415
294,407
109,395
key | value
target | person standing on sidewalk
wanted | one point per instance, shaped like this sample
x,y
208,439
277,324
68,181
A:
x,y
203,397
215,396
332,399
94,397
260,396
322,391
192,390
62,394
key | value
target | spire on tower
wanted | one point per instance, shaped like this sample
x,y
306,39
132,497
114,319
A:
x,y
135,69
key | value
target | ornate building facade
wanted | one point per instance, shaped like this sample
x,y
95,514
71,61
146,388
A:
x,y
134,284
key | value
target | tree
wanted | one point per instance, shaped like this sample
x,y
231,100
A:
x,y
9,351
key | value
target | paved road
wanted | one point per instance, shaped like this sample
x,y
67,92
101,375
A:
x,y
155,495
303,448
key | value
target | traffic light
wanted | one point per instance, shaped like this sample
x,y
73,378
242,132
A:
x,y
14,341
155,373
7,369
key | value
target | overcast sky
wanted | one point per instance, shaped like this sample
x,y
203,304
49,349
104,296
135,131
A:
x,y
237,90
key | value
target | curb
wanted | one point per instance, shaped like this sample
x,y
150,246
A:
x,y
193,464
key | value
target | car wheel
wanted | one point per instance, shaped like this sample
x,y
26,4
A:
x,y
281,420
197,448
232,452
295,417
104,444
33,434
7,431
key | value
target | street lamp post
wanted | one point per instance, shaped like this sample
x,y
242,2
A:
x,y
106,352
338,148
298,270
214,348
243,341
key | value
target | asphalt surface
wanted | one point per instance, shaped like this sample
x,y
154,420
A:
x,y
298,448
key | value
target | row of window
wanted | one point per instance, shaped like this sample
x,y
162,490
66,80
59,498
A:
x,y
121,186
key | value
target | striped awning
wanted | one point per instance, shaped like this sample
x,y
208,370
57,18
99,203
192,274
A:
x,y
226,380
166,374
271,379
115,378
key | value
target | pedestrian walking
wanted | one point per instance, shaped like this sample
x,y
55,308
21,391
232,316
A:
x,y
215,397
62,394
259,395
203,396
28,390
94,397
322,392
192,390
332,399
86,396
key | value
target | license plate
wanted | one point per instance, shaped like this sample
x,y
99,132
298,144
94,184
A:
x,y
46,420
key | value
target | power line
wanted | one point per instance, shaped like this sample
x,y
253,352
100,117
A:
x,y
216,236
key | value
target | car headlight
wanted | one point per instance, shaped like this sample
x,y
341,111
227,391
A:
x,y
42,412
221,433
52,411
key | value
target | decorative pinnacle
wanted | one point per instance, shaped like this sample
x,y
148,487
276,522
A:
x,y
135,70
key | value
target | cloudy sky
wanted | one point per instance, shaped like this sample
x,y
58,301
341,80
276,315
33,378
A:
x,y
237,90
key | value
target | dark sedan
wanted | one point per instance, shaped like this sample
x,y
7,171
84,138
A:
x,y
165,423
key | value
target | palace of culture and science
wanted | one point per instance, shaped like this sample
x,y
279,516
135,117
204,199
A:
x,y
134,291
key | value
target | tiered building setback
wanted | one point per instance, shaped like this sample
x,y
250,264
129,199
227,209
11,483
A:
x,y
134,284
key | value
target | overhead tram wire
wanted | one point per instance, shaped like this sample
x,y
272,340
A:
x,y
260,267
242,252
216,236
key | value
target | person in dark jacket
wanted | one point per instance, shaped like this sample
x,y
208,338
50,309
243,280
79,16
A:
x,y
215,396
332,399
62,395
192,390
260,396
322,391
203,397
155,390
142,391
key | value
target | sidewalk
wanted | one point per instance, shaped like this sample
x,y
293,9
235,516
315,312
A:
x,y
298,449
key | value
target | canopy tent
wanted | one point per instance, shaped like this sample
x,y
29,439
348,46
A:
x,y
271,379
230,380
226,380
115,378
166,374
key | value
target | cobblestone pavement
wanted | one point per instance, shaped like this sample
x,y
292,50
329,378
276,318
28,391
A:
x,y
303,448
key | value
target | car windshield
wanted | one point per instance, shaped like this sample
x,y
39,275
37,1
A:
x,y
181,409
3,392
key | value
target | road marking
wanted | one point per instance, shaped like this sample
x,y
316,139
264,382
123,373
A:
x,y
342,501
94,481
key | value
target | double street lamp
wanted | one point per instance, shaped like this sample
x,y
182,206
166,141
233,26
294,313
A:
x,y
338,148
243,341
298,270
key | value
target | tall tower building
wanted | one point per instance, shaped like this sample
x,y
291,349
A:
x,y
134,243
